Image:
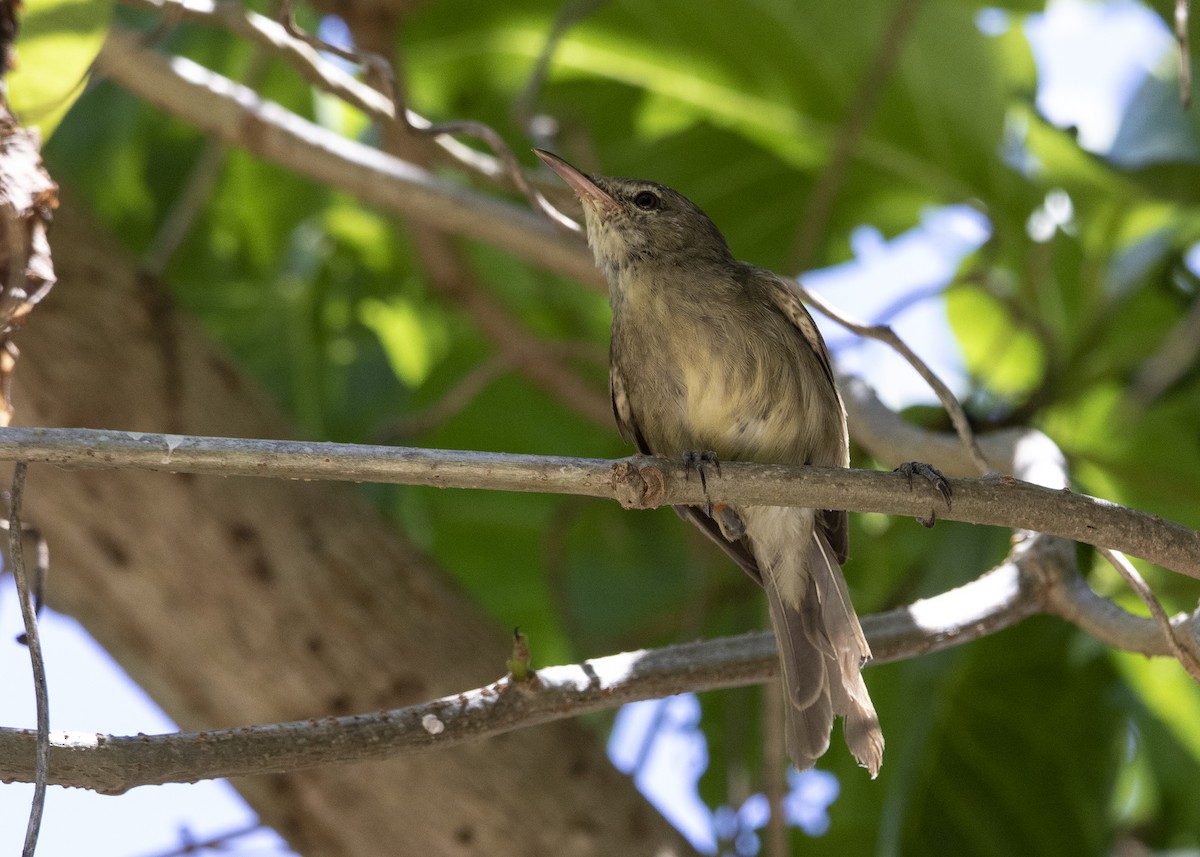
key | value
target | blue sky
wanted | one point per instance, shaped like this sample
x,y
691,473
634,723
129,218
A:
x,y
1092,59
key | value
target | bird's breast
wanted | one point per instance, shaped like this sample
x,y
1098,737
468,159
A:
x,y
700,379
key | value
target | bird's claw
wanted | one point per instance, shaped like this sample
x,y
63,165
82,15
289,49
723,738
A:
x,y
698,461
728,521
932,475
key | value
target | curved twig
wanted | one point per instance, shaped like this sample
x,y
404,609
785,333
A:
x,y
1185,53
885,334
1182,653
820,201
386,73
238,115
16,555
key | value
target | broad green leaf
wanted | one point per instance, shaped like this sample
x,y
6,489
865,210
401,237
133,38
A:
x,y
413,341
1168,692
1019,747
56,43
1005,358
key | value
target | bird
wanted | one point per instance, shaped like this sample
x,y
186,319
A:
x,y
713,359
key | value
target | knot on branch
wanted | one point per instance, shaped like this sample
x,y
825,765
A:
x,y
638,483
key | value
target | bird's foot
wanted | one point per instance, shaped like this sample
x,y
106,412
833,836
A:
x,y
698,461
728,520
934,477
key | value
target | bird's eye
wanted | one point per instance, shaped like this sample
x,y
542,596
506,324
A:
x,y
646,200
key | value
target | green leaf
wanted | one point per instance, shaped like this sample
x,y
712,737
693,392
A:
x,y
1012,749
57,42
413,340
1168,692
1006,359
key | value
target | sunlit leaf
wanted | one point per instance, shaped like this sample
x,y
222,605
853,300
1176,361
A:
x,y
57,41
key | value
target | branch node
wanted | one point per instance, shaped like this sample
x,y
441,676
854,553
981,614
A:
x,y
638,482
519,669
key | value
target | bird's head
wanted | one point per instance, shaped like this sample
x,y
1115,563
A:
x,y
632,222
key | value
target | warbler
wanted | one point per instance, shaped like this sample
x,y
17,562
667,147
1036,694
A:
x,y
715,357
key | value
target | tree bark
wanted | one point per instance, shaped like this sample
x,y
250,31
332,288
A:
x,y
240,601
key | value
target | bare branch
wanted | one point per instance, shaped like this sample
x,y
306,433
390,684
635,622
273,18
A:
x,y
819,204
886,335
1184,655
1185,53
236,114
1175,356
637,482
33,640
115,764
1037,576
307,62
387,73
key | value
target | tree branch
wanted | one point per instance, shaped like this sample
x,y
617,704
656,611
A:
x,y
1027,583
636,482
233,113
305,59
41,764
115,764
859,112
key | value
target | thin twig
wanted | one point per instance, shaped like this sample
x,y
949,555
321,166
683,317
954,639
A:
x,y
41,567
309,64
387,73
16,556
885,334
636,482
219,842
569,14
820,201
1135,580
1185,54
201,181
451,403
186,208
238,115
774,770
1174,357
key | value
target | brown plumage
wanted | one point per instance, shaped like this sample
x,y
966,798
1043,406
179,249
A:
x,y
711,354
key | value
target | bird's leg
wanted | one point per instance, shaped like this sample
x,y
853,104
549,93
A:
x,y
728,520
932,475
698,461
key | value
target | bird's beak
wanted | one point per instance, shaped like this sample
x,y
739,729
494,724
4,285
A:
x,y
588,191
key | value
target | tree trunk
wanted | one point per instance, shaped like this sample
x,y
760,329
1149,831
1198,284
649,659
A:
x,y
239,601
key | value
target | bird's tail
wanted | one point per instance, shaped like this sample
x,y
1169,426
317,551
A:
x,y
821,650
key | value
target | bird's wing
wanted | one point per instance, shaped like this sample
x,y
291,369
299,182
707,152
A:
x,y
784,295
738,551
626,422
627,425
786,298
